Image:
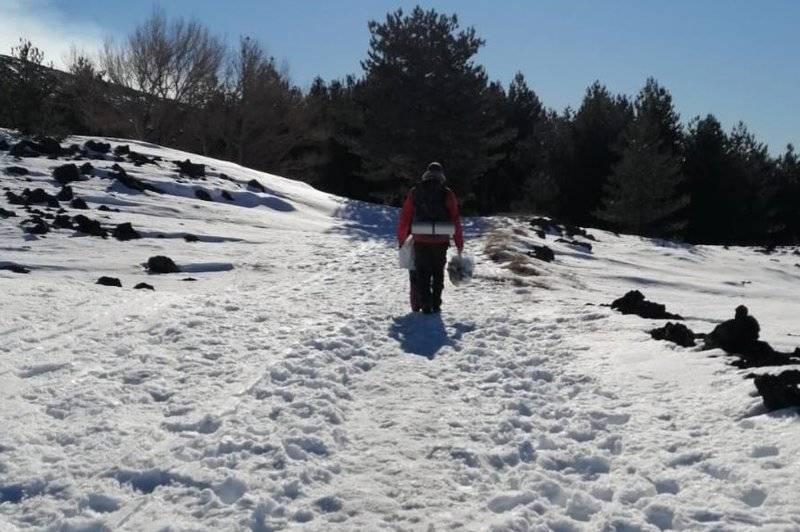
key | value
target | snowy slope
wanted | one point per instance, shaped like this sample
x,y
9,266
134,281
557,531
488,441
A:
x,y
288,387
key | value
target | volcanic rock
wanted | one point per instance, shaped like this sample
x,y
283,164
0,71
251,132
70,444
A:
x,y
677,333
66,173
125,231
202,194
634,303
109,281
191,169
79,203
90,227
779,391
162,264
65,194
16,170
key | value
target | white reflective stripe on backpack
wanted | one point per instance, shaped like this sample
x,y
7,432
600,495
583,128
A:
x,y
433,228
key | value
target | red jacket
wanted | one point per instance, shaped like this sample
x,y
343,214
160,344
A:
x,y
407,216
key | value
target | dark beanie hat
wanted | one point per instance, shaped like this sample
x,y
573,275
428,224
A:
x,y
435,167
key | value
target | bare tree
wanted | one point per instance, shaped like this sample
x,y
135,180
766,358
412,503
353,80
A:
x,y
173,65
263,108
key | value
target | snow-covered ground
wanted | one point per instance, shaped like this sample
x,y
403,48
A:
x,y
289,387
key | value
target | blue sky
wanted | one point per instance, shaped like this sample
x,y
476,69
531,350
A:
x,y
735,59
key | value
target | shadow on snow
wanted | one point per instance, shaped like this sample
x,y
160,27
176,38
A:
x,y
424,335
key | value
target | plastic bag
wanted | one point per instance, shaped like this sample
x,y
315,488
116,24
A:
x,y
405,257
460,269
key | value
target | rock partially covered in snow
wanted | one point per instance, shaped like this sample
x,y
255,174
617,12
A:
x,y
735,336
25,148
90,227
125,231
253,184
16,171
66,173
634,303
38,196
97,148
133,183
779,391
542,253
65,194
143,286
677,333
202,194
191,169
14,268
162,264
80,204
109,281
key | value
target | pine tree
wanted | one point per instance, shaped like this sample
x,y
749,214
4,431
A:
x,y
707,168
522,128
592,148
425,99
641,193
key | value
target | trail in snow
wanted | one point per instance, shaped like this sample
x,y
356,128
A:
x,y
295,391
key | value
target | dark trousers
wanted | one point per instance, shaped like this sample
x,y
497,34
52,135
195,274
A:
x,y
412,281
429,262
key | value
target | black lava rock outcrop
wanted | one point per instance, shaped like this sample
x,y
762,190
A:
x,y
36,226
542,253
202,194
49,146
191,169
739,337
15,199
66,174
576,243
7,214
24,148
676,333
125,231
735,336
109,281
65,194
122,149
162,264
14,268
4,146
253,184
62,221
80,204
779,391
143,286
87,169
38,196
227,195
94,147
139,159
16,171
634,303
134,183
84,224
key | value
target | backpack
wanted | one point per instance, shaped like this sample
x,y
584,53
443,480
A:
x,y
430,201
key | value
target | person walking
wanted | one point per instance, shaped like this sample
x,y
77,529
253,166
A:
x,y
430,214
